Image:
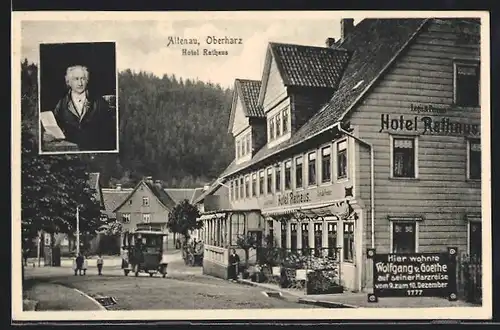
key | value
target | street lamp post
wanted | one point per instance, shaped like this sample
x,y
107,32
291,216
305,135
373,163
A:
x,y
78,230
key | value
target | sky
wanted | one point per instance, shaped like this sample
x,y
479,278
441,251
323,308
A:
x,y
142,44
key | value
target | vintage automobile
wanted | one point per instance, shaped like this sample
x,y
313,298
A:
x,y
143,253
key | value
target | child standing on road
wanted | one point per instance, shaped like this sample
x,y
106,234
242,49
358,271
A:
x,y
100,262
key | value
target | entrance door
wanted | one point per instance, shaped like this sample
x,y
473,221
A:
x,y
475,240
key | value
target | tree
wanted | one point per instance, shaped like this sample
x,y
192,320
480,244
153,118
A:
x,y
183,218
247,242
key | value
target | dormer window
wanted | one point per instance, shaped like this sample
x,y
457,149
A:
x,y
271,129
277,120
285,115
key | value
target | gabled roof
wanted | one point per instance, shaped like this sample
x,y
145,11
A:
x,y
374,45
113,198
159,193
180,194
247,91
308,66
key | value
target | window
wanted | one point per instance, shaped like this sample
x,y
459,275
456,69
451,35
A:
x,y
269,180
145,201
403,150
299,172
277,119
326,163
126,217
285,120
236,189
249,144
475,240
241,188
237,227
261,183
270,240
238,151
232,190
466,84
283,235
243,147
271,129
474,161
305,238
342,159
404,237
146,217
332,239
348,247
247,186
311,165
288,175
277,178
318,239
293,236
254,184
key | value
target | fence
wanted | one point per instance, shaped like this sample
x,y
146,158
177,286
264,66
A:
x,y
315,270
469,278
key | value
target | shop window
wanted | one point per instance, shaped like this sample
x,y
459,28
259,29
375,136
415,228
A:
x,y
404,157
318,239
342,160
305,238
348,247
145,201
466,84
293,236
475,240
271,129
146,217
261,183
299,172
404,237
237,227
474,161
288,175
326,163
270,180
283,235
311,168
277,177
332,239
247,186
254,184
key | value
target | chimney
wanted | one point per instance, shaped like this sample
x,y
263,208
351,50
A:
x,y
346,27
158,184
330,42
148,179
118,186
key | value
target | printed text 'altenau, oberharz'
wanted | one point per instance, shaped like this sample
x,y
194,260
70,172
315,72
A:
x,y
212,41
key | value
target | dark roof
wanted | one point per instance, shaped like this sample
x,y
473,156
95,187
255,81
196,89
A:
x,y
159,193
180,194
249,90
308,66
374,44
113,198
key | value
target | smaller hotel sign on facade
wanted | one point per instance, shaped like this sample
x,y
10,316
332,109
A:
x,y
414,275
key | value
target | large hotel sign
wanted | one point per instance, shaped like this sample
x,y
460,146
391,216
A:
x,y
308,196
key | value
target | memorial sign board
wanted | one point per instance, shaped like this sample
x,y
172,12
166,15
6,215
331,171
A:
x,y
414,274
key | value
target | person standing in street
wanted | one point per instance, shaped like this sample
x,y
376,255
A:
x,y
234,261
100,263
79,264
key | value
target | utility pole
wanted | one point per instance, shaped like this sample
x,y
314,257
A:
x,y
78,230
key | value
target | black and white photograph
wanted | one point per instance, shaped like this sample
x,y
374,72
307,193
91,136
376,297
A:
x,y
272,166
78,110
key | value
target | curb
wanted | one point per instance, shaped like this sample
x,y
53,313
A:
x,y
101,307
320,303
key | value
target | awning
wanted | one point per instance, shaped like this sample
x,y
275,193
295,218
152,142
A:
x,y
278,213
211,216
340,210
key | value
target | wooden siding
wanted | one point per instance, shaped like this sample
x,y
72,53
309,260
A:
x,y
423,75
240,120
158,212
275,89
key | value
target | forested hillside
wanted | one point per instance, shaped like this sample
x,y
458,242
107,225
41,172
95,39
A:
x,y
173,130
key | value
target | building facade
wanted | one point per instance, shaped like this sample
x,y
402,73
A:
x,y
373,141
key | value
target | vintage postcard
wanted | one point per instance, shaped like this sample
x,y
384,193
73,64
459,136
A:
x,y
272,165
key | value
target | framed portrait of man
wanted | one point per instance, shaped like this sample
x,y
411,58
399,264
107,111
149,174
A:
x,y
78,98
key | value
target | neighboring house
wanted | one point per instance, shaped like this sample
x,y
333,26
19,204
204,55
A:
x,y
113,198
147,204
401,92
